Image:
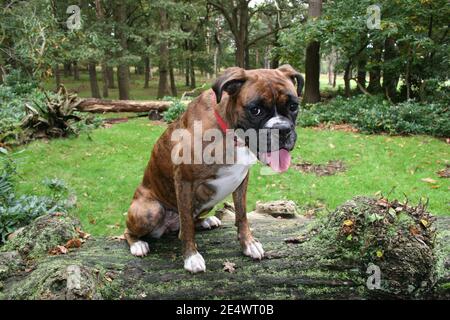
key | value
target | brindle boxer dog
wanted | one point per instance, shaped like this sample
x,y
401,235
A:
x,y
172,196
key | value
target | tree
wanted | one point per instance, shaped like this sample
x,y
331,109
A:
x,y
312,62
123,76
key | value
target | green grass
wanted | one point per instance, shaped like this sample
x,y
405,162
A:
x,y
105,171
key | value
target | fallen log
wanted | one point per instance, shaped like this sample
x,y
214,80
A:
x,y
100,106
103,268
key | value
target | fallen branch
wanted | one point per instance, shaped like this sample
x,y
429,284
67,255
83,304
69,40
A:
x,y
100,106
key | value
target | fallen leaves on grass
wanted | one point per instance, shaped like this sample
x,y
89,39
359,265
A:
x,y
73,243
330,168
429,180
444,173
336,127
119,238
229,266
82,234
58,250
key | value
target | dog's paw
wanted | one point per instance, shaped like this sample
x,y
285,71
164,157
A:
x,y
211,222
254,249
139,248
195,263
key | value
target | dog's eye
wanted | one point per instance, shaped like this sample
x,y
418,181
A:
x,y
255,111
293,107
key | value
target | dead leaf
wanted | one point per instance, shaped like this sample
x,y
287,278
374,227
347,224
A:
x,y
73,243
383,203
82,234
229,266
428,180
348,223
424,222
58,250
119,238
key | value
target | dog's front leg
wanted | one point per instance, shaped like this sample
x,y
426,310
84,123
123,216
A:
x,y
250,246
193,261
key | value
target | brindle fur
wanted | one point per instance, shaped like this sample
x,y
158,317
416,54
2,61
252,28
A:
x,y
168,189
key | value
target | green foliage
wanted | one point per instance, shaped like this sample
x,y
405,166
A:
x,y
19,210
375,115
175,110
27,113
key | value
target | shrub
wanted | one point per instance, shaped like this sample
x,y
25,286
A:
x,y
376,115
17,211
175,110
31,114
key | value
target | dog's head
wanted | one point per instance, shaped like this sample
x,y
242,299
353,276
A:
x,y
267,101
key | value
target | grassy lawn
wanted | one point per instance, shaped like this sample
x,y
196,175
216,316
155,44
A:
x,y
105,169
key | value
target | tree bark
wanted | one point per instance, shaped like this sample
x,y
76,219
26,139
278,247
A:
x,y
101,106
110,75
103,267
347,78
95,91
390,73
361,78
105,80
100,17
312,62
146,72
163,85
123,72
374,86
173,85
57,75
76,71
67,69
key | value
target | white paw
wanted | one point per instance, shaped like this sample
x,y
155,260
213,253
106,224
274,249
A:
x,y
139,249
195,263
254,250
211,222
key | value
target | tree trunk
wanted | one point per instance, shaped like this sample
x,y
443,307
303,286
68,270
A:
x,y
105,80
110,75
361,78
192,73
100,17
67,69
163,85
390,74
312,62
57,74
101,106
123,71
95,92
187,73
374,86
173,85
146,72
347,78
76,71
103,268
312,73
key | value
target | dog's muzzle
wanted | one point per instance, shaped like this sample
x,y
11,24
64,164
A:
x,y
280,134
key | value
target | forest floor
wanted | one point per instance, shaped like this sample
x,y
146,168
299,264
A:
x,y
328,167
137,91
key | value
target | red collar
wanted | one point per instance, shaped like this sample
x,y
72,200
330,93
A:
x,y
222,124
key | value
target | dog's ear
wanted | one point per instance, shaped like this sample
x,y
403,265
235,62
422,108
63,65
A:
x,y
294,75
230,82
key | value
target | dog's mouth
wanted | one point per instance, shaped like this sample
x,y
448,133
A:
x,y
279,160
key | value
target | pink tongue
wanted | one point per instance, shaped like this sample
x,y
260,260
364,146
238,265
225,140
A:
x,y
279,160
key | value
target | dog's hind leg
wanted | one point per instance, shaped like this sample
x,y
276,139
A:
x,y
145,216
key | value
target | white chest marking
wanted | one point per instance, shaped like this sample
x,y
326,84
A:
x,y
229,177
